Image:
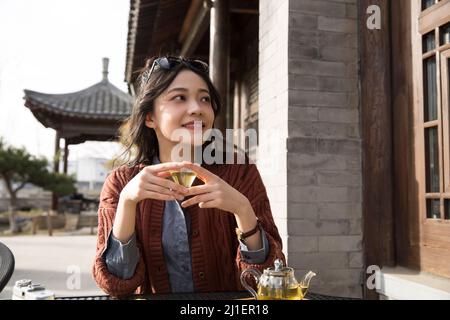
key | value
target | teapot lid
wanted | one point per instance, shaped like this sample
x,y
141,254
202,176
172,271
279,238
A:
x,y
279,269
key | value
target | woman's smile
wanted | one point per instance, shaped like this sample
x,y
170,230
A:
x,y
192,125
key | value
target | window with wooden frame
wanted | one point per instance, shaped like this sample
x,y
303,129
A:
x,y
434,28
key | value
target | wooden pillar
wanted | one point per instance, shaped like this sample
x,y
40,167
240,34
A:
x,y
376,118
57,152
66,155
236,110
407,166
56,167
219,56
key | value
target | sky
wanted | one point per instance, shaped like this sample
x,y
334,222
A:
x,y
57,46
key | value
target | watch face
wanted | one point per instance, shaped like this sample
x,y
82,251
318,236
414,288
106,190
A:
x,y
239,235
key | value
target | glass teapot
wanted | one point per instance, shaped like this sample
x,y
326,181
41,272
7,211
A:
x,y
277,283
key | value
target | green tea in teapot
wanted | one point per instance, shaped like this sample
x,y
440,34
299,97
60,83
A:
x,y
297,293
278,283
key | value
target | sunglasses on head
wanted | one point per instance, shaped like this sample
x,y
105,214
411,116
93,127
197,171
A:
x,y
167,63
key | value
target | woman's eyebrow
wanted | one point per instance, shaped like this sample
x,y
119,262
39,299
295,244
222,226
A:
x,y
177,89
185,90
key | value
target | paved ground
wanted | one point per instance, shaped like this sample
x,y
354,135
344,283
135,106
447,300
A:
x,y
61,263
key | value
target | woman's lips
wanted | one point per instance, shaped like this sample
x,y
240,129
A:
x,y
192,125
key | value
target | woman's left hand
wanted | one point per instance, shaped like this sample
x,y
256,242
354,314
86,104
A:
x,y
215,193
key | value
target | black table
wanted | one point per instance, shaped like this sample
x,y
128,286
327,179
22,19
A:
x,y
6,265
198,296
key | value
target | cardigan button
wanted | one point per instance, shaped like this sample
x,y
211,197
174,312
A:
x,y
195,232
201,274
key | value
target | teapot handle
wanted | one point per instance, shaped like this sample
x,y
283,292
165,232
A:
x,y
254,272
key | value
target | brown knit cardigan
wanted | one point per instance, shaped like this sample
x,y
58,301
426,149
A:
x,y
216,259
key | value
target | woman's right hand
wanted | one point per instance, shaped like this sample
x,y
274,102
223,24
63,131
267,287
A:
x,y
151,183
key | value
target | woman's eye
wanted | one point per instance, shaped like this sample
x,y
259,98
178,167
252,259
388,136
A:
x,y
207,99
178,98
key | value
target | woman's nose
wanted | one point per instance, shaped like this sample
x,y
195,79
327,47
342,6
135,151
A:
x,y
194,107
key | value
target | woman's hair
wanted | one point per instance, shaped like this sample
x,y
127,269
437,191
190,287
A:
x,y
140,141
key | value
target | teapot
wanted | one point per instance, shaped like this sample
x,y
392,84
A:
x,y
277,283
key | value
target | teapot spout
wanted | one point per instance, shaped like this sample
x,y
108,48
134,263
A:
x,y
306,279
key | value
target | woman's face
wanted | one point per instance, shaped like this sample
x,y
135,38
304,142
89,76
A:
x,y
186,100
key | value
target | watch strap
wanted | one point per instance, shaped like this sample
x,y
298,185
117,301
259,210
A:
x,y
243,235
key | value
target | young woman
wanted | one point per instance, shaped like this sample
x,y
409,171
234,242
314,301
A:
x,y
156,236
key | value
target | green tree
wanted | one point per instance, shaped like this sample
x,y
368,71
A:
x,y
18,167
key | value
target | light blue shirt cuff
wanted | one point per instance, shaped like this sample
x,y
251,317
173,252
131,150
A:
x,y
122,258
255,256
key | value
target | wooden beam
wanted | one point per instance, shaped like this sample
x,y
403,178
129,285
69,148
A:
x,y
376,117
194,26
133,24
244,7
191,15
244,11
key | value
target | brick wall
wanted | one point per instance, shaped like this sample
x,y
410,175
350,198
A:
x,y
310,92
273,106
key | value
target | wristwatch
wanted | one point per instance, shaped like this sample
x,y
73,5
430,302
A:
x,y
243,235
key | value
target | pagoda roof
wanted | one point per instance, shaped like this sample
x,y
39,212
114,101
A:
x,y
100,101
94,113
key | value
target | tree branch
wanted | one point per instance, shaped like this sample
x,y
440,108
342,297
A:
x,y
21,186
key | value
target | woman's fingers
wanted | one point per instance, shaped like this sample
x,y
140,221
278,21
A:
x,y
166,166
156,192
204,188
163,174
197,199
208,204
158,196
159,189
168,184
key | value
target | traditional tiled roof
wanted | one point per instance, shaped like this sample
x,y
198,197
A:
x,y
100,101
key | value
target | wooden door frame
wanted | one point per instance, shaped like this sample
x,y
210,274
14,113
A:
x,y
445,65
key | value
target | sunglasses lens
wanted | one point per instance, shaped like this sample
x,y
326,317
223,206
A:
x,y
200,65
168,63
165,63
